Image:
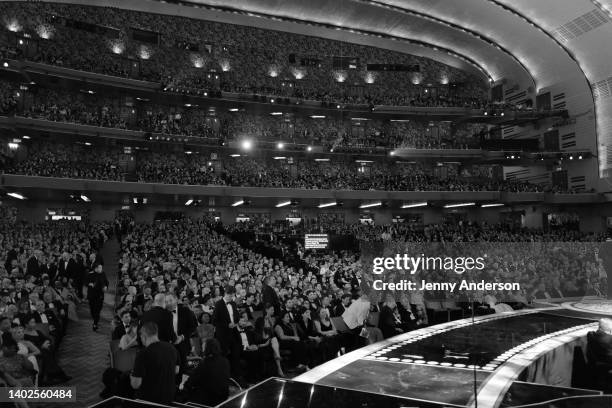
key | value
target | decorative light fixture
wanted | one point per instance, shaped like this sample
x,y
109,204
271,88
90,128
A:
x,y
327,204
16,195
370,205
459,205
415,205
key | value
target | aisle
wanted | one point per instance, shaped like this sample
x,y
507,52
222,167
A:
x,y
83,353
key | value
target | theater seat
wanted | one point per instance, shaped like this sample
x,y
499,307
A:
x,y
435,310
122,360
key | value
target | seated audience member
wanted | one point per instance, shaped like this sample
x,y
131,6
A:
x,y
51,373
205,331
25,347
123,327
390,321
331,339
341,307
264,338
130,338
16,365
155,367
289,340
209,382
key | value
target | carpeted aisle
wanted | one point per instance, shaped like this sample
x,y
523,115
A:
x,y
83,353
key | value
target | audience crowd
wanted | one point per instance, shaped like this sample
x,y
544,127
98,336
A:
x,y
44,270
196,55
92,109
277,307
110,163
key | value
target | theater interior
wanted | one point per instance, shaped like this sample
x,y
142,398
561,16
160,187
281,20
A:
x,y
317,204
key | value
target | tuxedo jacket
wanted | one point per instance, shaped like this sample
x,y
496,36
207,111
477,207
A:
x,y
221,320
163,319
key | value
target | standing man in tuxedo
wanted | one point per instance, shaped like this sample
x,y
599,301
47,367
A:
x,y
33,267
225,319
184,325
67,268
97,286
161,317
269,295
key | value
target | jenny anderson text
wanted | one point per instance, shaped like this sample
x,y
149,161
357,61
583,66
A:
x,y
405,284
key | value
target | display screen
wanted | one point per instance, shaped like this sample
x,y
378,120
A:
x,y
316,241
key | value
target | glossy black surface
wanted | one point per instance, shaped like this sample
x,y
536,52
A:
x,y
483,342
117,402
444,385
522,393
277,393
604,401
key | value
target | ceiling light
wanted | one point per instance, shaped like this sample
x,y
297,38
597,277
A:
x,y
459,205
189,202
144,200
492,205
87,144
327,205
364,161
360,119
280,145
28,137
16,195
237,203
415,205
234,155
376,204
317,116
85,198
234,110
135,200
276,113
321,160
279,157
309,148
283,204
247,144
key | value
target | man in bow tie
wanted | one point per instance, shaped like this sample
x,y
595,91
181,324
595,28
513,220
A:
x,y
184,324
124,326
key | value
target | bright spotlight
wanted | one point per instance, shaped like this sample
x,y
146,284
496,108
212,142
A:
x,y
247,144
280,145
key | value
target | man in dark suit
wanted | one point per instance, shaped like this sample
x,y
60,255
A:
x,y
184,324
269,295
161,317
34,264
67,268
342,306
599,355
124,326
225,318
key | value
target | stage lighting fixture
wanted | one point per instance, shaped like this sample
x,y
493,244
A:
x,y
16,195
459,205
415,205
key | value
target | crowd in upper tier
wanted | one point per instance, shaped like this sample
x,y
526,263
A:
x,y
110,163
44,269
183,53
221,125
